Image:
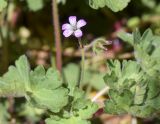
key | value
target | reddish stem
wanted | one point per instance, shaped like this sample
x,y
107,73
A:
x,y
57,35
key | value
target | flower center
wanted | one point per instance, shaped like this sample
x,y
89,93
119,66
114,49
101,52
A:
x,y
74,28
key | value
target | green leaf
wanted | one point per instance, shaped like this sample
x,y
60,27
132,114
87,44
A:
x,y
136,36
78,93
71,73
35,5
117,5
16,81
142,111
23,69
3,4
145,48
94,79
123,100
77,117
78,99
154,103
80,103
42,89
46,90
153,90
12,87
72,120
119,103
140,78
53,100
147,35
127,37
140,93
114,5
87,113
49,80
112,108
122,76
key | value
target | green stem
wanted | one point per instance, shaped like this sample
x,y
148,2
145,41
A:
x,y
82,63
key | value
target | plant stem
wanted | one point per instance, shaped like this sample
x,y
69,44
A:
x,y
5,39
82,62
100,93
57,35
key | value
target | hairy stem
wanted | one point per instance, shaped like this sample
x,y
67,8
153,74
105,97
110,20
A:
x,y
100,93
82,62
57,35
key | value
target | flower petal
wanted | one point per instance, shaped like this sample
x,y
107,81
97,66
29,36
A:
x,y
68,33
78,33
73,20
66,26
81,23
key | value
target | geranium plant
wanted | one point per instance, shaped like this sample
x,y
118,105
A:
x,y
132,86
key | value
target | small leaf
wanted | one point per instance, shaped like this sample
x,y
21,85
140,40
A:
x,y
127,37
71,74
137,36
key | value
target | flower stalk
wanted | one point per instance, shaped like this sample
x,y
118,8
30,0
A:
x,y
82,62
74,28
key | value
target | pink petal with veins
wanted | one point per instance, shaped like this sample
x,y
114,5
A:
x,y
73,20
68,33
78,33
81,23
66,26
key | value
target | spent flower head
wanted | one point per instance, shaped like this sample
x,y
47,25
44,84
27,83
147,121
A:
x,y
73,27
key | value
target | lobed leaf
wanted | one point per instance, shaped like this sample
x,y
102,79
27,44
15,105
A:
x,y
53,100
114,5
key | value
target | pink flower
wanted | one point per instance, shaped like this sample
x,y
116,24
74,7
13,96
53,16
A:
x,y
73,27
